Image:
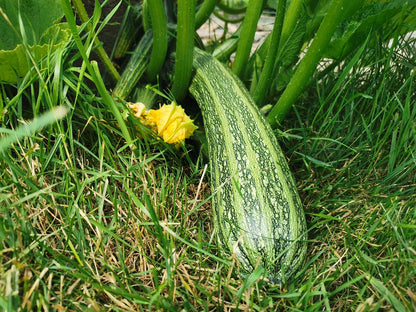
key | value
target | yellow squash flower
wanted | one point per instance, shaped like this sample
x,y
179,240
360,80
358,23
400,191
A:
x,y
169,122
172,124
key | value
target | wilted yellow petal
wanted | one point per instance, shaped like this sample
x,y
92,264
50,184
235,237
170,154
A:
x,y
138,109
172,124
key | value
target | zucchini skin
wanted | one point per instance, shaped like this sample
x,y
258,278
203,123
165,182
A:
x,y
135,68
129,31
258,214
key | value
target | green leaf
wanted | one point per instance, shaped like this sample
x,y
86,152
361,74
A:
x,y
16,63
289,55
28,26
377,16
36,15
386,294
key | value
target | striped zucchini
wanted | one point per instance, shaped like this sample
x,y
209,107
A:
x,y
135,68
129,30
258,214
233,6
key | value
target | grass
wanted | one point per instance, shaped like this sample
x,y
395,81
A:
x,y
88,225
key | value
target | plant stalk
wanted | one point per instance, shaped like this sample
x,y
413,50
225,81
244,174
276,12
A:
x,y
94,72
160,37
204,12
335,15
146,16
83,15
248,31
290,19
266,75
184,47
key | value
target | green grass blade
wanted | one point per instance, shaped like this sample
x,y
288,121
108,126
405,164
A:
x,y
100,49
30,128
95,73
386,294
252,278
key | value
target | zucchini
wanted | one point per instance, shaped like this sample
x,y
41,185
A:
x,y
257,211
233,6
129,30
135,68
226,48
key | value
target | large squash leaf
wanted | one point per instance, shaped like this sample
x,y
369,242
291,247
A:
x,y
386,18
28,26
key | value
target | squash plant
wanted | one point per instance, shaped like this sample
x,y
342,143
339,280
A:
x,y
257,211
23,45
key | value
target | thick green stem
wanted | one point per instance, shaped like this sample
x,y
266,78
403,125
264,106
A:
x,y
160,37
247,35
335,15
146,16
289,22
290,19
266,75
83,15
93,70
184,47
2,112
204,12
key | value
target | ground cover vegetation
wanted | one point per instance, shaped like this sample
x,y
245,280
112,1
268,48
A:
x,y
99,213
